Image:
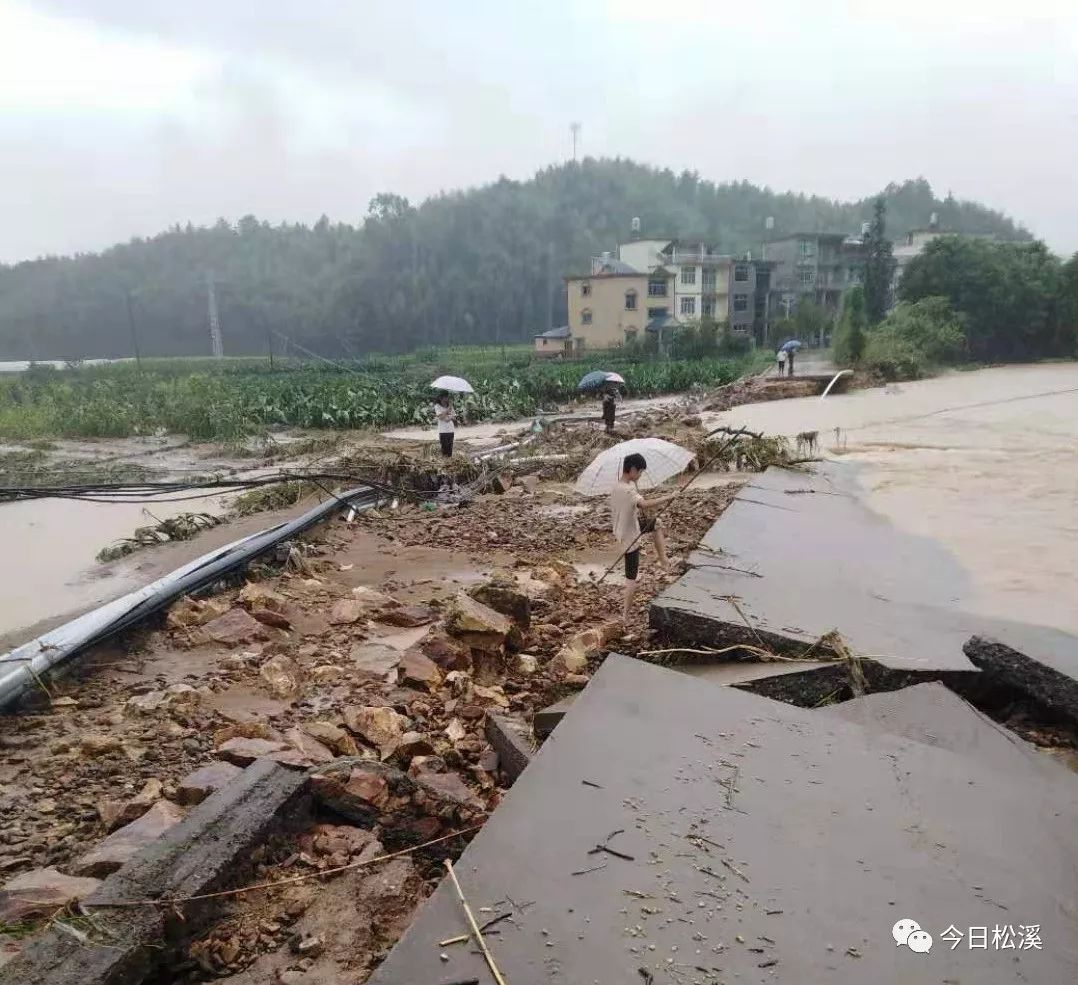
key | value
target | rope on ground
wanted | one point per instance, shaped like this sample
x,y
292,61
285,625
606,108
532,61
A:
x,y
291,881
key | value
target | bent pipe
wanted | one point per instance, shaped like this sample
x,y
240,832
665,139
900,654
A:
x,y
24,666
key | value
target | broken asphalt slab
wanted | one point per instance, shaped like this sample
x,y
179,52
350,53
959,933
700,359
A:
x,y
207,851
757,840
797,555
1048,679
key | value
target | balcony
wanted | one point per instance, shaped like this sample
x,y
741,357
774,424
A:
x,y
685,256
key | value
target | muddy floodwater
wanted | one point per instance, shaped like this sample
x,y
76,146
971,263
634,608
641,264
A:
x,y
984,462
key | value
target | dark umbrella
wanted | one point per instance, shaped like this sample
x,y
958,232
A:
x,y
598,378
792,346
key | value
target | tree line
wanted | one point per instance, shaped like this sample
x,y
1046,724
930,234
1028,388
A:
x,y
478,266
962,299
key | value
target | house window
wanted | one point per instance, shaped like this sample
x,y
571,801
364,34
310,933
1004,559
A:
x,y
688,306
741,302
808,277
630,334
688,275
657,288
708,280
806,247
630,300
855,275
741,272
707,307
544,343
585,316
657,313
585,290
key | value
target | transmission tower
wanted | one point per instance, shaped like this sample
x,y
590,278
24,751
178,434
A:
x,y
574,130
216,344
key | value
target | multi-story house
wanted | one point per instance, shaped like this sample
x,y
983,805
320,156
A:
x,y
820,266
610,307
656,285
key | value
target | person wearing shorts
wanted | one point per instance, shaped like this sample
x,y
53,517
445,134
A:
x,y
625,504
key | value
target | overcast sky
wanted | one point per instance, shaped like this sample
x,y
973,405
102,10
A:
x,y
120,117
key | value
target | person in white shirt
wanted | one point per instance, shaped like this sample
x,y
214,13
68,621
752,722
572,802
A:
x,y
625,503
781,356
446,417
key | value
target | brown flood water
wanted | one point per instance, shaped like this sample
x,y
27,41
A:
x,y
985,463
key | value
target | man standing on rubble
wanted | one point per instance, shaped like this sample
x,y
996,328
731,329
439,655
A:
x,y
625,505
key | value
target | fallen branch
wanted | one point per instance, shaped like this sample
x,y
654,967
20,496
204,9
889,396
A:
x,y
475,927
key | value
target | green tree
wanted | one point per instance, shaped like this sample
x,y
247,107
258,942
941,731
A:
x,y
811,322
914,337
850,334
879,265
1009,293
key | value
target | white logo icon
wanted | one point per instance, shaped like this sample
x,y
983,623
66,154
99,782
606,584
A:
x,y
909,932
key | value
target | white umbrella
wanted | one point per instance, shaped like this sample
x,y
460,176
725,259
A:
x,y
454,384
664,459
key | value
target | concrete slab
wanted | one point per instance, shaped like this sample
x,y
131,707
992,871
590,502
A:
x,y
820,836
512,741
205,852
798,555
934,715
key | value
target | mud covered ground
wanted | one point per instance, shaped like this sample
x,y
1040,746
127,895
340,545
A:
x,y
344,651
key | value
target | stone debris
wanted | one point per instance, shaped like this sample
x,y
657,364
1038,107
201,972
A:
x,y
115,814
476,624
375,661
41,892
187,613
416,668
122,844
235,627
333,736
380,726
256,595
198,785
283,676
243,752
310,749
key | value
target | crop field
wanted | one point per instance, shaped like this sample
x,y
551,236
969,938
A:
x,y
230,399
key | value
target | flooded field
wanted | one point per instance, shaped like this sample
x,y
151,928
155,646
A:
x,y
985,463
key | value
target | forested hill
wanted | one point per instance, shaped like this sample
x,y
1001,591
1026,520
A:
x,y
473,266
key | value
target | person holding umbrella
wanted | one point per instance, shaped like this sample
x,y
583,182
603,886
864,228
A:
x,y
620,472
610,398
444,413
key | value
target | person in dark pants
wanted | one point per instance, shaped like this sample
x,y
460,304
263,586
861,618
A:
x,y
446,417
610,398
790,362
625,503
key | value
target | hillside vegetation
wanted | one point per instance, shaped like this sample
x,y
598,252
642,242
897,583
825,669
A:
x,y
477,266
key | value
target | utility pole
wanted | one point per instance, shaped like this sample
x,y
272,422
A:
x,y
134,334
549,286
574,130
216,344
269,342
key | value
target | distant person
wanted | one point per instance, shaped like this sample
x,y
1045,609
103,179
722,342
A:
x,y
790,362
446,417
625,504
781,358
610,399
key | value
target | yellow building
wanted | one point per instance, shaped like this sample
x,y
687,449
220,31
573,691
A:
x,y
610,308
